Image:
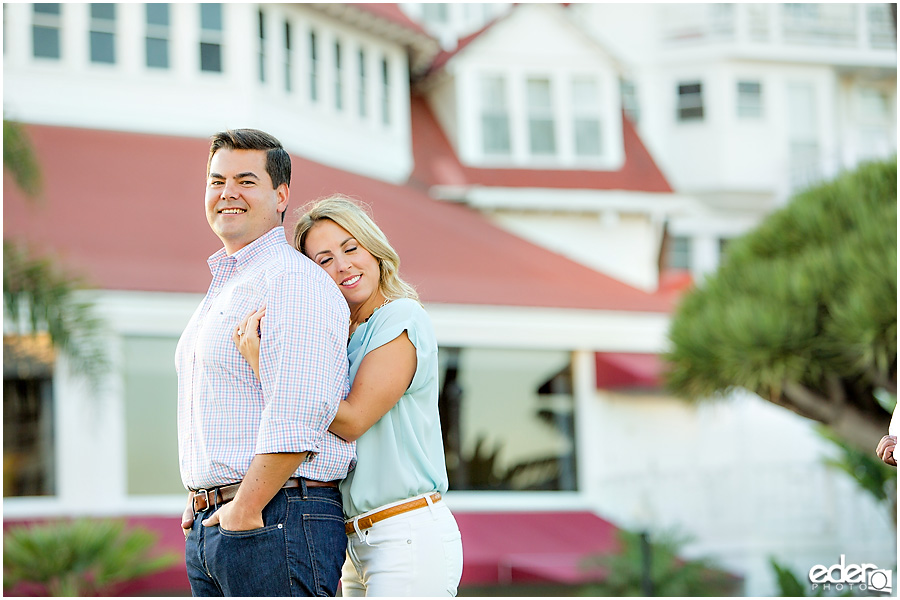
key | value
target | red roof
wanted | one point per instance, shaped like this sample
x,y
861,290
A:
x,y
436,163
126,211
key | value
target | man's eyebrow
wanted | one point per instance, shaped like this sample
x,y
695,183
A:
x,y
238,176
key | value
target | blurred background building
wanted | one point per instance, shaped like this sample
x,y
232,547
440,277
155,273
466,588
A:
x,y
553,176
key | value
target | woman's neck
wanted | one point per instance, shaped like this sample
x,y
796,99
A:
x,y
361,313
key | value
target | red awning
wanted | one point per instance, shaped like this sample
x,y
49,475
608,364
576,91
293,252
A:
x,y
519,547
617,370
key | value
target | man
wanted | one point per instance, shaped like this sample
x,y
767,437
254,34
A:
x,y
264,511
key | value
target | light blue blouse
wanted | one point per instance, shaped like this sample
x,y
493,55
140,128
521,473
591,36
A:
x,y
402,454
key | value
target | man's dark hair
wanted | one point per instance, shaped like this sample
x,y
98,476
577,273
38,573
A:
x,y
278,162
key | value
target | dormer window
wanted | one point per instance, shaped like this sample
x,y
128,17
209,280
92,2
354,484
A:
x,y
494,116
545,121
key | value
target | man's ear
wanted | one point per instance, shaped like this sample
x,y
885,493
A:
x,y
284,194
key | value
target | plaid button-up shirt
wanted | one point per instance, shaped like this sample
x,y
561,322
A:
x,y
225,414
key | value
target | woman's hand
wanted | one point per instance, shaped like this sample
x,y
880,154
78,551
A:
x,y
246,338
885,449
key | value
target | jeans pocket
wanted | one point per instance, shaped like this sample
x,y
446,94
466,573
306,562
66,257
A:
x,y
248,533
453,560
250,563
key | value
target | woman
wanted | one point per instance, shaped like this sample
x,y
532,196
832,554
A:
x,y
403,540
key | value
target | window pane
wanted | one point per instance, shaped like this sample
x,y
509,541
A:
x,y
102,47
541,136
434,13
288,57
262,46
539,94
338,78
587,137
50,8
362,84
211,17
157,53
313,68
210,57
158,14
45,42
150,390
27,437
495,134
585,94
679,254
493,93
690,101
507,418
28,440
385,93
541,130
749,99
103,11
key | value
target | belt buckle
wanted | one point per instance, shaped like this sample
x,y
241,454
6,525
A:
x,y
205,493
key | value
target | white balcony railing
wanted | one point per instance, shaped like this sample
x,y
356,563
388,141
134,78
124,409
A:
x,y
866,26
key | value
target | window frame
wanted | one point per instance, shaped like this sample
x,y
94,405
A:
x,y
582,113
750,105
500,112
46,21
212,38
690,106
157,32
538,114
101,28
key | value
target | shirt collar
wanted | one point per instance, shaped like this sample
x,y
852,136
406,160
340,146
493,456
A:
x,y
253,250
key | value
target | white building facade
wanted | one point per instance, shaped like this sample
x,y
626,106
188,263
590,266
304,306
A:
x,y
535,144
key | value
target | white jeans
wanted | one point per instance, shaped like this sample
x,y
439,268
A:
x,y
418,553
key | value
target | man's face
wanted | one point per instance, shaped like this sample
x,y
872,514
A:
x,y
241,204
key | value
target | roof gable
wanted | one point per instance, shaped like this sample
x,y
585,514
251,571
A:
x,y
530,35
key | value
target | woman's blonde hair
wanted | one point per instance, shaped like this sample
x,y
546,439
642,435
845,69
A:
x,y
351,216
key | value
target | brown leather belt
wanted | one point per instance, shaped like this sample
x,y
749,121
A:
x,y
381,515
203,499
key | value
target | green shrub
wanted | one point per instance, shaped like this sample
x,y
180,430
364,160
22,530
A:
x,y
78,558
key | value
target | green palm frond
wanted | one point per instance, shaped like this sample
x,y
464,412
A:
x,y
39,296
19,159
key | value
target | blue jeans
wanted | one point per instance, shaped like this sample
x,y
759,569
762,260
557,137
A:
x,y
299,550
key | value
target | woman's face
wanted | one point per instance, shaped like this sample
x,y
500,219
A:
x,y
350,265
